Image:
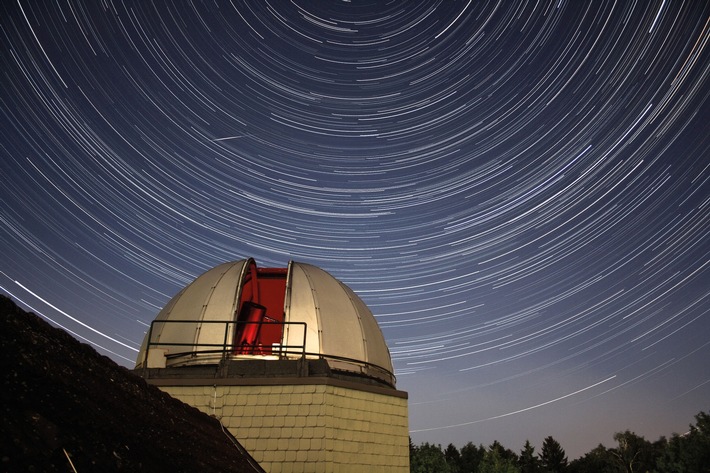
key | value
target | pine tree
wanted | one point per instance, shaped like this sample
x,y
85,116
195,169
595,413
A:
x,y
552,456
471,457
505,453
528,461
453,458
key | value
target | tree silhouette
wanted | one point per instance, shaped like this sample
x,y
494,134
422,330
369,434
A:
x,y
471,457
634,453
686,453
453,458
428,458
599,460
528,461
552,456
504,453
494,462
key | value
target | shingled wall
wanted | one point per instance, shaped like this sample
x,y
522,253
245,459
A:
x,y
323,426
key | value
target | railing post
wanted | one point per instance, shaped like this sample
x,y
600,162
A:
x,y
303,347
224,343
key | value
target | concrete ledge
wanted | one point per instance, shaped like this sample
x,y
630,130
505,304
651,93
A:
x,y
318,381
265,373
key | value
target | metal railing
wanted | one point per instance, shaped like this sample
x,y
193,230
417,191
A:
x,y
226,347
199,351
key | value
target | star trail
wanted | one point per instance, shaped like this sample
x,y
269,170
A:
x,y
518,190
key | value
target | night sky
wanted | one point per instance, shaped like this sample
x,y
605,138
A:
x,y
519,192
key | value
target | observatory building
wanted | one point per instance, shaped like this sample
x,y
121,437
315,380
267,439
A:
x,y
290,360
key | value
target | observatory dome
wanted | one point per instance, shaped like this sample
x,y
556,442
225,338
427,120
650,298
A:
x,y
239,311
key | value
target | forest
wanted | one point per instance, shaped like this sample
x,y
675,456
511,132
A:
x,y
682,453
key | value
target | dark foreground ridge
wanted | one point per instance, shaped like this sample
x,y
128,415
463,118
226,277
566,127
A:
x,y
61,400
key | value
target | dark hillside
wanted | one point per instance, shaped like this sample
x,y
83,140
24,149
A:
x,y
61,398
